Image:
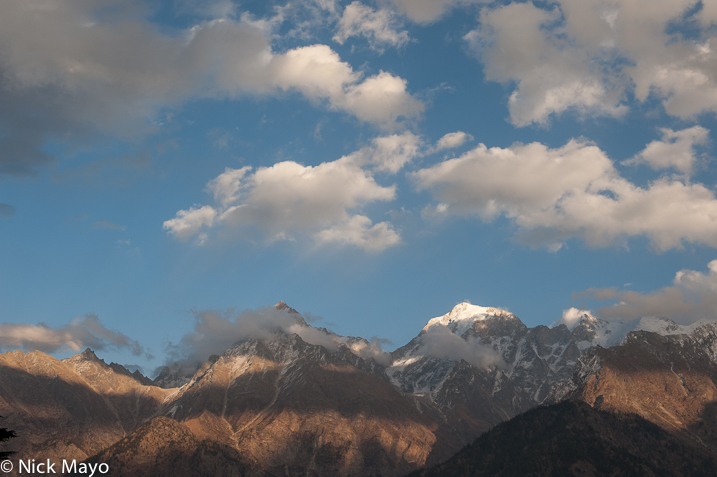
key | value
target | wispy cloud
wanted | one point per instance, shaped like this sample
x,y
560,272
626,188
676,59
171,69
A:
x,y
692,297
81,332
106,224
215,332
379,27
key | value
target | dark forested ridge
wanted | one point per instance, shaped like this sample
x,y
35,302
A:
x,y
573,439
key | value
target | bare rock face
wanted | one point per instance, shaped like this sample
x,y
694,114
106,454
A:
x,y
72,408
283,406
165,448
296,407
669,380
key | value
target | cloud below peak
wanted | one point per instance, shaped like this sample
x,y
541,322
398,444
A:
x,y
692,297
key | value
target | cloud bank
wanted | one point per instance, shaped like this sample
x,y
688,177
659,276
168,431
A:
x,y
572,191
81,332
589,55
692,297
101,69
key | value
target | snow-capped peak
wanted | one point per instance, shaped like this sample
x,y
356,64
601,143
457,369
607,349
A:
x,y
463,315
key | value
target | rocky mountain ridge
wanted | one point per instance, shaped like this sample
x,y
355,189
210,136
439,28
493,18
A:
x,y
326,404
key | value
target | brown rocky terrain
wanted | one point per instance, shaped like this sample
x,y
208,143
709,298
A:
x,y
165,448
668,380
282,406
72,408
297,408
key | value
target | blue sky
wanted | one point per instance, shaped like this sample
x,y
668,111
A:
x,y
371,163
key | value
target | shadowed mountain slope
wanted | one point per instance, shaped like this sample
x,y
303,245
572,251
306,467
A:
x,y
573,439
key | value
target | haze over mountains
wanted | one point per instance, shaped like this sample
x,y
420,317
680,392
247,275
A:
x,y
286,398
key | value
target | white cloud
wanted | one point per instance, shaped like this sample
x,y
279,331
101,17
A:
x,y
517,43
226,185
439,342
289,200
585,55
427,11
572,191
452,140
359,231
382,100
692,297
81,332
215,332
675,150
571,317
190,222
102,67
389,153
379,27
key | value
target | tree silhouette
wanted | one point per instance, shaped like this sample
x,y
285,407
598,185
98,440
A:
x,y
5,435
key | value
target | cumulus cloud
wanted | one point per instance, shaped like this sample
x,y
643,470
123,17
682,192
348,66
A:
x,y
585,55
692,297
81,332
675,150
288,200
389,153
359,231
572,191
571,317
189,222
439,342
452,140
517,44
101,67
379,27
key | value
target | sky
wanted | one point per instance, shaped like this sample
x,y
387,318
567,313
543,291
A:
x,y
370,163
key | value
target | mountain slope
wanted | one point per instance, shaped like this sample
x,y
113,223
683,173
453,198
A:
x,y
163,447
669,380
573,439
71,408
292,405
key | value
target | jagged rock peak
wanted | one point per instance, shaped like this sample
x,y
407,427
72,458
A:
x,y
283,306
467,314
88,355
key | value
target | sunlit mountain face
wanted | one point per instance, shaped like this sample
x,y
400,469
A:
x,y
303,398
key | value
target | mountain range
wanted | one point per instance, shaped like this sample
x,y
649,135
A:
x,y
306,401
